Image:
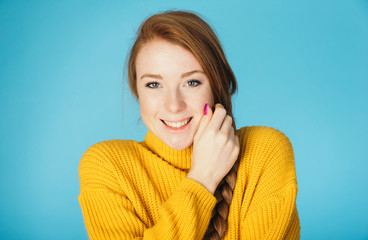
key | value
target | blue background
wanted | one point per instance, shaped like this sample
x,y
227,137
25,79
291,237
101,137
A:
x,y
302,67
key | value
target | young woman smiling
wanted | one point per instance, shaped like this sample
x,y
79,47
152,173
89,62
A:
x,y
194,176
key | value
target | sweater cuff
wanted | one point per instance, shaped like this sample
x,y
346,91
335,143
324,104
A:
x,y
205,198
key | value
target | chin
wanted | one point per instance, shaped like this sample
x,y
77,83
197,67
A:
x,y
179,145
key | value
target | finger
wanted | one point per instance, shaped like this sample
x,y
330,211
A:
x,y
237,144
207,115
227,125
218,117
232,133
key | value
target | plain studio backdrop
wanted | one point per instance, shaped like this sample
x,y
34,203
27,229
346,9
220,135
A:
x,y
302,67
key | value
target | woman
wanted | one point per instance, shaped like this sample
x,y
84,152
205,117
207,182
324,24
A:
x,y
194,176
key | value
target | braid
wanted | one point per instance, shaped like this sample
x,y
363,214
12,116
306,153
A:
x,y
224,194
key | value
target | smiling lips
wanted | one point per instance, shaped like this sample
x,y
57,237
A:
x,y
177,125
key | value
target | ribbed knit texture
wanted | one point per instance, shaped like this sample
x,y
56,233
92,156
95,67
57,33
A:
x,y
139,190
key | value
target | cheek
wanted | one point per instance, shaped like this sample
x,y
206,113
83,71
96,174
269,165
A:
x,y
144,107
207,97
148,107
200,100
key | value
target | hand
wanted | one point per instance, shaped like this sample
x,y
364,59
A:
x,y
215,149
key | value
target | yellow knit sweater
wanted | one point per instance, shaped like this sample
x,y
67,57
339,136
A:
x,y
139,190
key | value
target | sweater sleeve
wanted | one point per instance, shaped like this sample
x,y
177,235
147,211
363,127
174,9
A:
x,y
272,212
109,214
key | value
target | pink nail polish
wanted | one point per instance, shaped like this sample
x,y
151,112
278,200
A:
x,y
205,109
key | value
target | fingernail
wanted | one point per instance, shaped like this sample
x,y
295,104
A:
x,y
205,109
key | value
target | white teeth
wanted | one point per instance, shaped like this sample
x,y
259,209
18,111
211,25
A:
x,y
177,124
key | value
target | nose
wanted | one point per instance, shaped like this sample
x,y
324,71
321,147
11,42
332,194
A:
x,y
174,101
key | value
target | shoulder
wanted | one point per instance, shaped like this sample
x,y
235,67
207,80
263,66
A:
x,y
264,148
100,163
267,170
108,151
263,132
111,148
263,138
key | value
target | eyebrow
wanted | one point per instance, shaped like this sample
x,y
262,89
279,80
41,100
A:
x,y
190,73
158,76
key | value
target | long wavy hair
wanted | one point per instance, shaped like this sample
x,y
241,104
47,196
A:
x,y
191,32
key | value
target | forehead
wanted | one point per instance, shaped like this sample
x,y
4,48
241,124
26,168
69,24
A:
x,y
161,56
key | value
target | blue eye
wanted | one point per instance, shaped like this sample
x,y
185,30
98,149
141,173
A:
x,y
153,85
193,83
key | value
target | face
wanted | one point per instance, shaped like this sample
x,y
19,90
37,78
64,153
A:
x,y
172,91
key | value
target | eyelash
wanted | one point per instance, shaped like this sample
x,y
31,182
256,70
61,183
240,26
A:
x,y
196,82
150,84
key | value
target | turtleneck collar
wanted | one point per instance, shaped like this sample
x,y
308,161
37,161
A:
x,y
179,158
